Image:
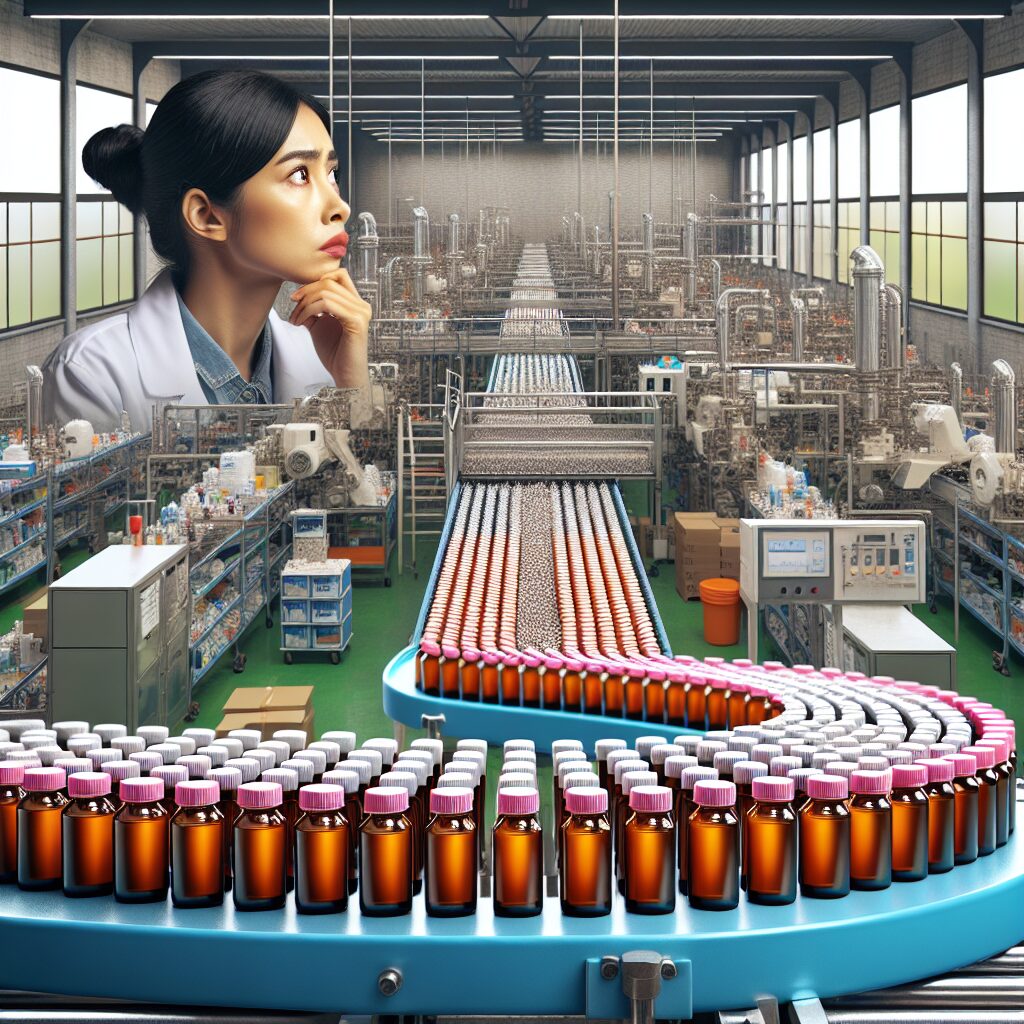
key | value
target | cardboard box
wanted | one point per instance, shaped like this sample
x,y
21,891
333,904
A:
x,y
268,708
34,616
729,554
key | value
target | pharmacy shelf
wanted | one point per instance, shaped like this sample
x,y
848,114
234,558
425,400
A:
x,y
404,703
476,965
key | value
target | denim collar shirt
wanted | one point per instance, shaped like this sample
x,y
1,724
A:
x,y
219,377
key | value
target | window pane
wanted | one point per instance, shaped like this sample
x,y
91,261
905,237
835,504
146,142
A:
x,y
1020,283
800,170
849,159
90,219
19,222
954,218
822,165
127,221
3,223
753,165
919,268
3,286
111,259
877,217
1001,280
918,217
1001,221
939,140
885,151
954,272
110,218
767,188
90,274
127,292
892,257
96,109
1004,151
933,245
45,280
45,222
18,277
782,169
30,126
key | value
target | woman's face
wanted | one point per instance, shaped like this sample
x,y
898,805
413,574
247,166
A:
x,y
291,208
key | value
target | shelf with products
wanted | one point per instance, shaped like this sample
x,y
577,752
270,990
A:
x,y
21,688
365,535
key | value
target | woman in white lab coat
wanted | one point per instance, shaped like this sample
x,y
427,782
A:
x,y
236,177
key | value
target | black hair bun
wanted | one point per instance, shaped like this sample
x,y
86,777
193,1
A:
x,y
112,158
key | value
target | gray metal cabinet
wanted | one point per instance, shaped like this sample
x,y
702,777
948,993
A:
x,y
118,637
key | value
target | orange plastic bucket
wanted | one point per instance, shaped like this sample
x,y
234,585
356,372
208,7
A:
x,y
721,601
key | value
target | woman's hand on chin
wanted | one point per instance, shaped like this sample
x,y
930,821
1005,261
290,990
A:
x,y
339,322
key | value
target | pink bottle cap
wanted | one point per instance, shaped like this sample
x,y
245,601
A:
x,y
450,651
650,799
827,787
714,793
517,800
964,765
985,757
170,775
43,780
490,658
196,792
386,800
941,749
773,789
999,744
451,800
12,773
88,784
430,648
694,774
120,770
909,776
939,770
319,797
586,800
869,782
141,791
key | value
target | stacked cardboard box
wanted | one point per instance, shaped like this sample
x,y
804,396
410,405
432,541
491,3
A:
x,y
268,708
706,547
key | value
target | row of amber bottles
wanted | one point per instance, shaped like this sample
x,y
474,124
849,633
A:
x,y
554,681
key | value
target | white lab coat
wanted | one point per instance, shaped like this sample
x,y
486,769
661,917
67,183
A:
x,y
140,358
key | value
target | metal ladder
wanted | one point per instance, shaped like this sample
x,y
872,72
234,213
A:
x,y
423,495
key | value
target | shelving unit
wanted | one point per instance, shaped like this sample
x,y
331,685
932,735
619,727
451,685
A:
x,y
365,535
235,575
316,607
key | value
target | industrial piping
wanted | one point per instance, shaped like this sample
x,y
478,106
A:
x,y
868,279
1004,406
368,245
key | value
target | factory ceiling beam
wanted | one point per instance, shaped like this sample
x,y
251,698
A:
x,y
710,9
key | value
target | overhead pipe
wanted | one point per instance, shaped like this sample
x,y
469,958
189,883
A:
x,y
690,237
420,249
799,308
716,279
33,404
454,235
596,256
722,317
647,234
956,391
368,248
1004,406
386,283
896,350
868,280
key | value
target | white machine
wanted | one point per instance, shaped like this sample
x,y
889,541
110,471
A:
x,y
664,380
308,447
830,562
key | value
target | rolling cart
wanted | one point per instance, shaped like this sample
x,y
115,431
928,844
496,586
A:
x,y
316,607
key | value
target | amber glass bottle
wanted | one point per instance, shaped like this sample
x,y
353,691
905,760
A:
x,y
469,671
228,779
716,698
429,671
385,853
141,843
260,842
743,775
649,851
170,775
713,847
941,799
572,684
322,850
988,786
40,864
288,780
614,691
870,830
197,845
452,856
416,816
965,807
12,775
531,680
909,823
675,698
585,878
772,834
593,688
628,782
353,811
739,697
825,838
1004,788
518,854
683,807
87,835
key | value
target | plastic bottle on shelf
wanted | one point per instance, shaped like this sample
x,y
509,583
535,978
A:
x,y
870,830
87,836
713,847
40,864
323,849
772,849
518,856
141,843
385,853
988,783
197,845
649,851
585,878
452,853
825,838
940,814
12,775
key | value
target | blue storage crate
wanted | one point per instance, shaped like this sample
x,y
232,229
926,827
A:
x,y
326,587
294,585
326,612
328,638
294,610
346,603
295,638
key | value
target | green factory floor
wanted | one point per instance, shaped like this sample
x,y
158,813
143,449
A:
x,y
348,696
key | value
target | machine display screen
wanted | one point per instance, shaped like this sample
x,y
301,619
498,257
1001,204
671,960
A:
x,y
795,555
